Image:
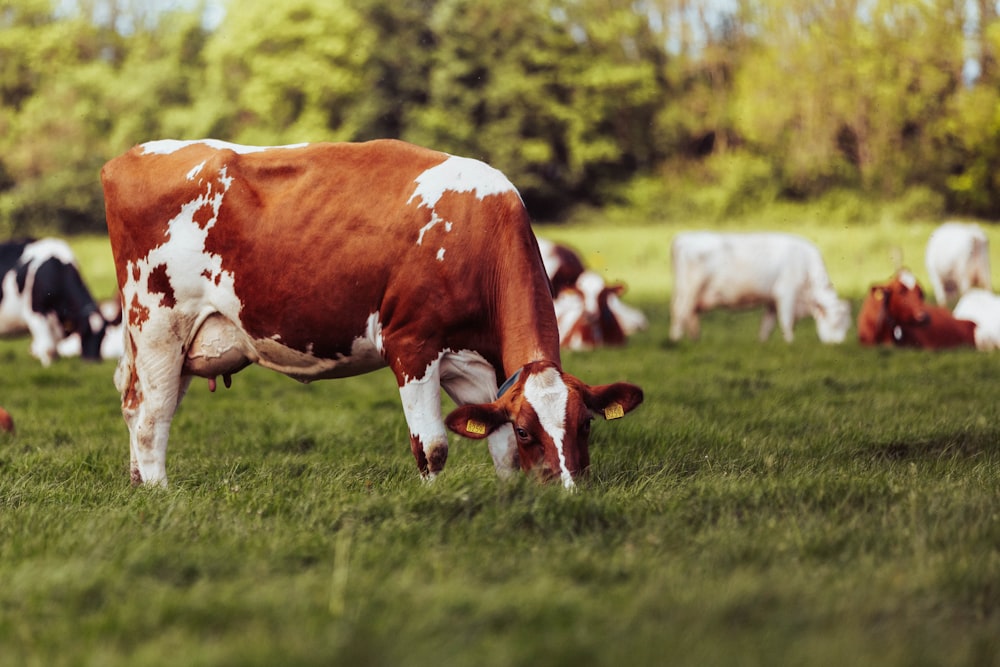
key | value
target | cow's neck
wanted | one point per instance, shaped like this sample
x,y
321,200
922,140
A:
x,y
527,322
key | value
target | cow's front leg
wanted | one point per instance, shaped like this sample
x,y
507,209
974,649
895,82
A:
x,y
422,406
767,323
149,401
44,336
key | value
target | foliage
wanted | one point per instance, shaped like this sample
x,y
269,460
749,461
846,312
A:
x,y
756,100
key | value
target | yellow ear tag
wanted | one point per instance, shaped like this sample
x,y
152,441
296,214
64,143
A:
x,y
472,426
614,411
879,296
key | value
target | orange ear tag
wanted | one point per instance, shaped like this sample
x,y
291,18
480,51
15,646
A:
x,y
614,411
472,426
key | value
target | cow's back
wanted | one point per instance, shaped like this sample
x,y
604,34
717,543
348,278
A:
x,y
315,240
738,268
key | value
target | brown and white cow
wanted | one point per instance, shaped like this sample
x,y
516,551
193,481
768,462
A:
x,y
332,260
784,273
896,313
589,312
957,259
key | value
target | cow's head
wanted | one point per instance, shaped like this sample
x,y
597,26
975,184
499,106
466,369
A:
x,y
890,308
590,314
550,412
833,318
905,300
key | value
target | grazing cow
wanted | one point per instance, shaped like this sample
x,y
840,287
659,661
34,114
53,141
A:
x,y
332,260
896,313
983,308
562,264
589,312
112,345
957,258
43,294
783,272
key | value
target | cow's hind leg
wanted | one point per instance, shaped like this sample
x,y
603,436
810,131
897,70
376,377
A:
x,y
767,322
421,399
150,392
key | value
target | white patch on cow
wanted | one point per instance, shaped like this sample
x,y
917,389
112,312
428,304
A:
x,y
373,333
569,307
168,146
455,174
421,405
459,174
435,219
46,248
194,171
591,284
421,398
548,395
908,279
630,319
12,306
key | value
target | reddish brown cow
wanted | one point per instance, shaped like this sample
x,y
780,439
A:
x,y
589,312
6,422
896,313
331,260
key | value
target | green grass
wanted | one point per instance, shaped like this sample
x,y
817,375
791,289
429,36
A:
x,y
769,504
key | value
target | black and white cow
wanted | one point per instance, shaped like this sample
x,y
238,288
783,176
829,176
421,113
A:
x,y
42,293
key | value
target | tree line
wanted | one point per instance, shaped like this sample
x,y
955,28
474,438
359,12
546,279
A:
x,y
580,102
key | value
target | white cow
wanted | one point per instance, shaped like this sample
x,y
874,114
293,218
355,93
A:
x,y
782,272
982,307
957,258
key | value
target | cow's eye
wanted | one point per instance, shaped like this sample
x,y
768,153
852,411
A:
x,y
522,434
585,428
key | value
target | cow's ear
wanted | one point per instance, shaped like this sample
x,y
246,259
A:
x,y
476,421
617,288
613,401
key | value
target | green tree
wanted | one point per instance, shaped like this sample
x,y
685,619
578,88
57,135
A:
x,y
286,72
554,93
50,120
974,128
848,93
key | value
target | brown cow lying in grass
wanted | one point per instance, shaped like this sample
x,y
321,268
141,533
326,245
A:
x,y
896,313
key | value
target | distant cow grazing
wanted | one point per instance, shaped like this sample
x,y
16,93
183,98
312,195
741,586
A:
x,y
43,294
332,260
112,344
589,312
782,272
896,313
958,258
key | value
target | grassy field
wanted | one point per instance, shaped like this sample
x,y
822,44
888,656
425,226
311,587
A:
x,y
769,504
